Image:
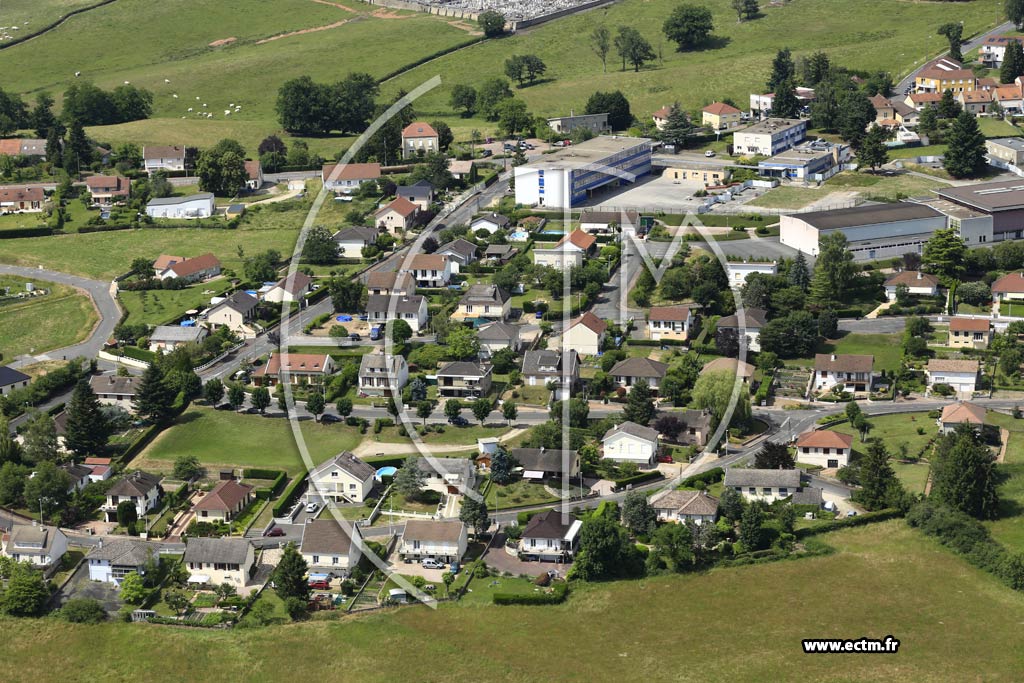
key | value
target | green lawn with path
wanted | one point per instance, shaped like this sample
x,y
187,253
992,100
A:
x,y
884,347
1009,528
517,494
893,430
223,438
164,306
63,317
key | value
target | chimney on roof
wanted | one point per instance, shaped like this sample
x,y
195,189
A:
x,y
541,449
833,356
920,275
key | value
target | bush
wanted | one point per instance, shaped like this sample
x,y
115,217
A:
x,y
288,498
638,478
83,611
712,476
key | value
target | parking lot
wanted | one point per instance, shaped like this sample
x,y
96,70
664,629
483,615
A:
x,y
81,586
652,193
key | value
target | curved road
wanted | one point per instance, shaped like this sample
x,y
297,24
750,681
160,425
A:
x,y
967,46
102,298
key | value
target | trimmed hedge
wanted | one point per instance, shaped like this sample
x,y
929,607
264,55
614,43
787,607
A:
x,y
638,478
652,342
849,522
14,233
290,495
712,476
557,596
266,492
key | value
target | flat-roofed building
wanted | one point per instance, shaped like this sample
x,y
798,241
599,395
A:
x,y
769,137
873,231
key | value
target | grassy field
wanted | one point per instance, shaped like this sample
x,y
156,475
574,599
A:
x,y
996,128
159,306
697,78
954,622
882,185
177,41
884,347
786,197
224,438
63,317
31,15
894,430
518,493
1009,529
104,255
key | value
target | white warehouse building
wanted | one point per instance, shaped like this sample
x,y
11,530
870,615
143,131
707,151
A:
x,y
572,174
873,231
194,206
769,137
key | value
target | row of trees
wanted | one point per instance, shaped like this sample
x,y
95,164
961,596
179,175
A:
x,y
305,107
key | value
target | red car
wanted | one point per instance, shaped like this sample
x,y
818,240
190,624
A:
x,y
665,458
276,531
320,585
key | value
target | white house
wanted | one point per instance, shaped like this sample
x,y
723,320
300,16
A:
x,y
460,253
21,199
163,158
235,312
586,334
669,322
491,222
342,479
594,221
351,241
569,252
498,335
767,485
447,475
739,270
956,414
112,390
629,371
400,284
484,301
41,546
430,270
382,375
194,206
420,193
329,547
1009,287
166,338
11,379
824,448
381,309
550,537
111,561
541,366
253,174
916,282
754,320
630,442
769,137
289,289
224,502
141,488
194,269
441,540
961,375
685,506
346,178
213,561
851,372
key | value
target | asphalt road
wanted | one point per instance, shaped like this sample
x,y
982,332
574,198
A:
x,y
102,298
971,44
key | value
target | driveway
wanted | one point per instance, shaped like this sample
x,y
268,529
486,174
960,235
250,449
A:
x,y
496,558
80,586
102,296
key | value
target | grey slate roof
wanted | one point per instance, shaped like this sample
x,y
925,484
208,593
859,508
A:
x,y
685,502
174,201
326,537
438,531
459,247
463,467
639,367
496,218
380,303
633,429
542,459
176,333
122,553
547,525
484,294
462,368
238,301
498,332
216,550
538,361
112,384
749,477
807,496
357,234
380,361
346,462
137,483
755,318
10,376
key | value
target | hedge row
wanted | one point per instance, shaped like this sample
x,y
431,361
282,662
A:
x,y
638,478
266,492
105,228
14,233
652,342
290,495
557,595
712,476
849,522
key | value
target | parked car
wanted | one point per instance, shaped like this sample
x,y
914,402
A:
x,y
458,421
430,563
274,532
851,513
665,457
312,508
709,153
355,337
486,153
320,585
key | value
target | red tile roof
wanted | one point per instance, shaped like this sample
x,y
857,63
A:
x,y
351,172
295,362
912,278
591,322
195,265
400,205
419,129
720,109
968,324
669,313
963,412
579,239
823,438
165,261
21,194
1011,283
252,169
225,496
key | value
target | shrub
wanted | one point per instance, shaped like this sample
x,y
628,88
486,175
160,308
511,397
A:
x,y
712,476
83,611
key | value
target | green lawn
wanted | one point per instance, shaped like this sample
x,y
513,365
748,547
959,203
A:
x,y
884,347
882,186
913,475
997,128
172,41
923,151
518,493
894,430
63,317
222,438
954,622
160,306
452,436
104,255
695,78
1009,529
481,591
